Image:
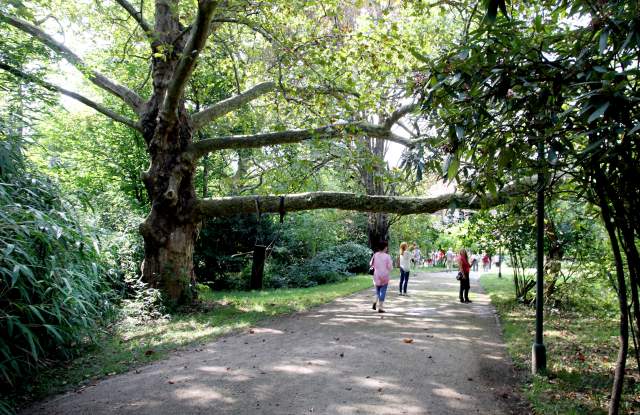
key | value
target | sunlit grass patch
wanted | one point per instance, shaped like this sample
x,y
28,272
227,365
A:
x,y
581,347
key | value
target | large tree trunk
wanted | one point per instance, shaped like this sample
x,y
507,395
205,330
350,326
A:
x,y
170,230
372,181
377,229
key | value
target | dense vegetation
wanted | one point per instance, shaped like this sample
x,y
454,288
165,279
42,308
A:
x,y
213,116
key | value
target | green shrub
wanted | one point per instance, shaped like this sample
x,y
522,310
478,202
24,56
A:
x,y
355,256
54,290
332,265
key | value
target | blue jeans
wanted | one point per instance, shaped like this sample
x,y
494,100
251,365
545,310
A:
x,y
381,292
404,280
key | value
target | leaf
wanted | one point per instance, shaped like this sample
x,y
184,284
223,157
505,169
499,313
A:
x,y
419,56
597,113
634,129
459,132
446,164
503,8
452,171
8,250
51,329
604,36
591,147
492,11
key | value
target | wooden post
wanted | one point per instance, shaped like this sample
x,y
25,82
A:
x,y
257,270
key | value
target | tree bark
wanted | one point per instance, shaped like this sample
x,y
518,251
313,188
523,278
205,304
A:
x,y
553,264
373,183
228,206
618,376
170,229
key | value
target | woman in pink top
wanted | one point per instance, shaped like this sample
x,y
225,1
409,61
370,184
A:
x,y
382,266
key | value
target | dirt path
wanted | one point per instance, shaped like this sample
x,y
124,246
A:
x,y
341,358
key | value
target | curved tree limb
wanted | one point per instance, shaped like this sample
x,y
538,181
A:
x,y
137,16
246,22
128,96
225,106
86,101
202,147
399,113
227,206
200,30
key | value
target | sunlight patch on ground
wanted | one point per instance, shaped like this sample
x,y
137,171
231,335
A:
x,y
201,395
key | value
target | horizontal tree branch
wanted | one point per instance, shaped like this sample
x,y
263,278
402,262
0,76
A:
x,y
227,206
54,88
200,30
128,96
200,148
225,106
137,16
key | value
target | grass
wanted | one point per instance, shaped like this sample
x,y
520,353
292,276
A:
x,y
581,341
129,344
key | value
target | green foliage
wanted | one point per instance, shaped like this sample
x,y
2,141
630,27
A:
x,y
224,248
580,352
415,228
54,290
332,265
223,251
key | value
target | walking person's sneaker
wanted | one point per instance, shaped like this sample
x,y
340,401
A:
x,y
374,306
381,311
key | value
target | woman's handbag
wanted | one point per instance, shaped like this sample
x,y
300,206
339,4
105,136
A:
x,y
459,276
371,270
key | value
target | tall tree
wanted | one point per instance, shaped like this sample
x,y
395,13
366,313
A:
x,y
176,37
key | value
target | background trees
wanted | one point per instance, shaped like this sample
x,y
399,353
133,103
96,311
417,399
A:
x,y
566,82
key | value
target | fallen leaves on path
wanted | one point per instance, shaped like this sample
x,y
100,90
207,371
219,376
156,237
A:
x,y
407,340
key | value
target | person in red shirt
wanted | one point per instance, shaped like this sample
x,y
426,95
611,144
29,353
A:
x,y
464,267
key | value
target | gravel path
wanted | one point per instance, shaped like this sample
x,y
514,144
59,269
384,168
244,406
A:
x,y
340,358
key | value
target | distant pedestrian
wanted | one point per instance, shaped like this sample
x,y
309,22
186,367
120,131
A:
x,y
451,257
382,265
475,258
485,262
417,256
405,264
465,284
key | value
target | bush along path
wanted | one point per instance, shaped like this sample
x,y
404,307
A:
x,y
429,354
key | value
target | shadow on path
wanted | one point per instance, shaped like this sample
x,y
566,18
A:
x,y
341,358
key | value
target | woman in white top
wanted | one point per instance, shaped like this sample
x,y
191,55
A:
x,y
405,264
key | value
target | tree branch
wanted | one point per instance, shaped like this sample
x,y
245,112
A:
x,y
128,96
51,87
227,206
137,16
225,106
197,39
246,22
200,148
399,113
